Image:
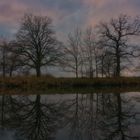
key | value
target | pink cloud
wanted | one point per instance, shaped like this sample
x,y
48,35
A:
x,y
96,3
93,11
103,10
11,11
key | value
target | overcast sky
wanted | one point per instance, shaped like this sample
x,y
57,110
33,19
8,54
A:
x,y
66,14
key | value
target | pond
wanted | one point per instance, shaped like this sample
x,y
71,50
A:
x,y
91,116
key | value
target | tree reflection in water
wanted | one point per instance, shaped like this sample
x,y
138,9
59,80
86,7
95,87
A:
x,y
118,118
101,117
85,116
32,119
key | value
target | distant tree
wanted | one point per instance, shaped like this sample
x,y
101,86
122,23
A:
x,y
37,43
3,56
10,58
116,35
109,64
91,51
106,63
72,53
15,60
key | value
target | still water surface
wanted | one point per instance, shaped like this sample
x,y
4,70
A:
x,y
92,116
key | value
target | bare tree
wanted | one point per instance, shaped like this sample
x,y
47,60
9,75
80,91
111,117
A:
x,y
91,52
10,58
37,43
15,60
72,53
106,63
3,52
117,34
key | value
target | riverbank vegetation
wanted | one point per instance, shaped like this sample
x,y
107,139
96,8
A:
x,y
33,83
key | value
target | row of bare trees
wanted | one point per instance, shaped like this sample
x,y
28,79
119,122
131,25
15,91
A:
x,y
102,51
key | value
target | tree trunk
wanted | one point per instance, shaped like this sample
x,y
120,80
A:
x,y
91,73
118,67
4,71
118,61
96,66
76,73
102,66
11,71
38,72
76,70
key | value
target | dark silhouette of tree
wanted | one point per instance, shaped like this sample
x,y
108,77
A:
x,y
11,61
37,43
91,51
72,53
4,55
116,35
106,63
15,60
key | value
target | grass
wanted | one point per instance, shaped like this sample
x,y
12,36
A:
x,y
32,83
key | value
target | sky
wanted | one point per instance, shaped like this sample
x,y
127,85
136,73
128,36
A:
x,y
66,14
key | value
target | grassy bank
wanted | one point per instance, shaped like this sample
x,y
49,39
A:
x,y
45,83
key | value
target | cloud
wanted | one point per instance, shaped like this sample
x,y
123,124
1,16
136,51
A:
x,y
96,3
103,10
65,13
11,12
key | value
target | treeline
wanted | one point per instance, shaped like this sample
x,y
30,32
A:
x,y
103,51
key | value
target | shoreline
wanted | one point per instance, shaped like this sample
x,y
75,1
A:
x,y
44,83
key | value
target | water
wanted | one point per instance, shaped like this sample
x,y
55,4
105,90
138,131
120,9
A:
x,y
91,116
